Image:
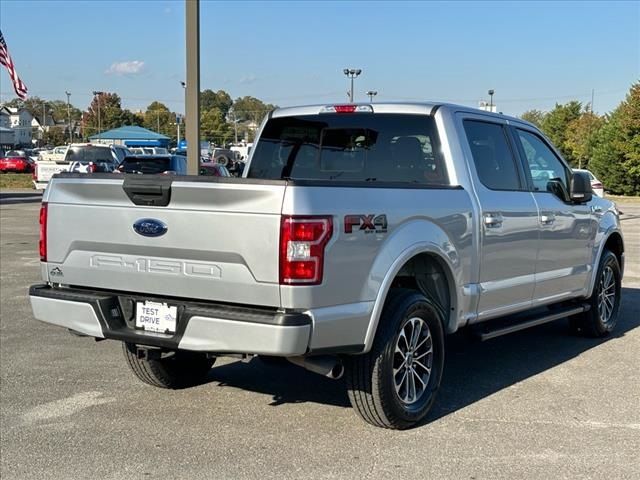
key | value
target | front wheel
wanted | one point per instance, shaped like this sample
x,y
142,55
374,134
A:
x,y
395,384
602,316
177,369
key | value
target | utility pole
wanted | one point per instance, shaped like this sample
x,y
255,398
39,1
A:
x,y
99,94
193,85
351,73
44,120
158,120
69,117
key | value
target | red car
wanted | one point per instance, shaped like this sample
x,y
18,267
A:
x,y
15,162
214,169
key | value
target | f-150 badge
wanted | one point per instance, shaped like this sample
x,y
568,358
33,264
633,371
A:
x,y
368,223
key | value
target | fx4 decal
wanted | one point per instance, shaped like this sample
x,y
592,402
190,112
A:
x,y
369,223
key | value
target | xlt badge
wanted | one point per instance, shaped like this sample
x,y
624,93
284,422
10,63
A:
x,y
368,223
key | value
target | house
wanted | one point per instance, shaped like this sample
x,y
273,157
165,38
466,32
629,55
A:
x,y
20,121
7,138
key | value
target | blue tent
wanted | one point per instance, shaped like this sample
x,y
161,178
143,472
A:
x,y
132,136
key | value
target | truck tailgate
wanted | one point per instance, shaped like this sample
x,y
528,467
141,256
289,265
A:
x,y
220,244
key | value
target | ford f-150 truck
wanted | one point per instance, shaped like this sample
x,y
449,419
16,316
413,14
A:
x,y
359,236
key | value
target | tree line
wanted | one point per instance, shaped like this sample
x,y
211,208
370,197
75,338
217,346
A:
x,y
222,119
607,145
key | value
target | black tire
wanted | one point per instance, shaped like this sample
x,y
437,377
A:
x,y
222,160
592,322
371,383
180,369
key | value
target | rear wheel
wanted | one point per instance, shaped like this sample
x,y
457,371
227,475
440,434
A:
x,y
176,369
604,302
395,384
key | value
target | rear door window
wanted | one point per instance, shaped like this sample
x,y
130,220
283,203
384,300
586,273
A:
x,y
145,165
493,158
351,148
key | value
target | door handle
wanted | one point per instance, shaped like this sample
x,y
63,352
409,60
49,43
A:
x,y
493,220
547,219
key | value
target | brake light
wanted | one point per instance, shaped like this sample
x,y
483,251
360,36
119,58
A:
x,y
91,168
348,108
302,244
43,232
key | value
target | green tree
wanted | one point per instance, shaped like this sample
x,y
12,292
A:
x,y
616,156
533,116
213,127
249,112
109,107
159,118
220,100
580,138
58,109
56,135
555,124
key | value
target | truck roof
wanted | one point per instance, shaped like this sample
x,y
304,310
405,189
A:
x,y
419,108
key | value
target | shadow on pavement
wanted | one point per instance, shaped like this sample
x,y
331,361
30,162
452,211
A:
x,y
473,369
8,198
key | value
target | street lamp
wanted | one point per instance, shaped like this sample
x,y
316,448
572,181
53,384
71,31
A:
x,y
98,94
372,93
491,92
68,94
351,73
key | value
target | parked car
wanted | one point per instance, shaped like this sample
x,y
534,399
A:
x,y
148,151
214,169
596,185
358,238
54,155
93,158
153,164
16,162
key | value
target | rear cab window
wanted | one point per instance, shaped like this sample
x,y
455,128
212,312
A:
x,y
367,147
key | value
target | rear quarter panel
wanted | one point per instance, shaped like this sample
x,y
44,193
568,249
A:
x,y
359,265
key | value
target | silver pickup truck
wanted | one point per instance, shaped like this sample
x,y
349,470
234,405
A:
x,y
359,237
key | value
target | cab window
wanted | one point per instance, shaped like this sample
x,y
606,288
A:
x,y
547,171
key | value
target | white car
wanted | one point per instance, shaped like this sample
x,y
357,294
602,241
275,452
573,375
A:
x,y
596,185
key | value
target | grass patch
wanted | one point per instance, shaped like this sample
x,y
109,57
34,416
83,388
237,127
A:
x,y
622,198
15,180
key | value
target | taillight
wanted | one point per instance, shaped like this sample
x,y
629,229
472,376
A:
x,y
92,167
348,108
302,244
43,232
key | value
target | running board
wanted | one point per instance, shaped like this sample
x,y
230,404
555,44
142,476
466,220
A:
x,y
532,322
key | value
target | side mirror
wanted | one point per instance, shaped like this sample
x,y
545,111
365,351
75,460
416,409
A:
x,y
580,187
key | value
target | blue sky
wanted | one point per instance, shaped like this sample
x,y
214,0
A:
x,y
532,53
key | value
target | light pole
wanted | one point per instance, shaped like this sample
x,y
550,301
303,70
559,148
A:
x,y
351,73
178,116
98,94
491,92
68,94
372,93
44,120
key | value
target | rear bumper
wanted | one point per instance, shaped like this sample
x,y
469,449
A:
x,y
202,327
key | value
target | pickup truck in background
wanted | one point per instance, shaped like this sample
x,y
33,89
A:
x,y
358,238
79,158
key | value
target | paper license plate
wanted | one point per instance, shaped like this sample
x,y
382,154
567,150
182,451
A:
x,y
156,317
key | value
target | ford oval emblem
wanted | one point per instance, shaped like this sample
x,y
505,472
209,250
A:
x,y
150,227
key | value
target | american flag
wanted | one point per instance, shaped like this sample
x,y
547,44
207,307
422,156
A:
x,y
5,59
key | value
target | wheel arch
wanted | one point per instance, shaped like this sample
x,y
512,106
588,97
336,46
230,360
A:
x,y
613,241
430,252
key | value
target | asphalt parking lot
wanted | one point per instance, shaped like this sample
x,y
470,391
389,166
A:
x,y
536,404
